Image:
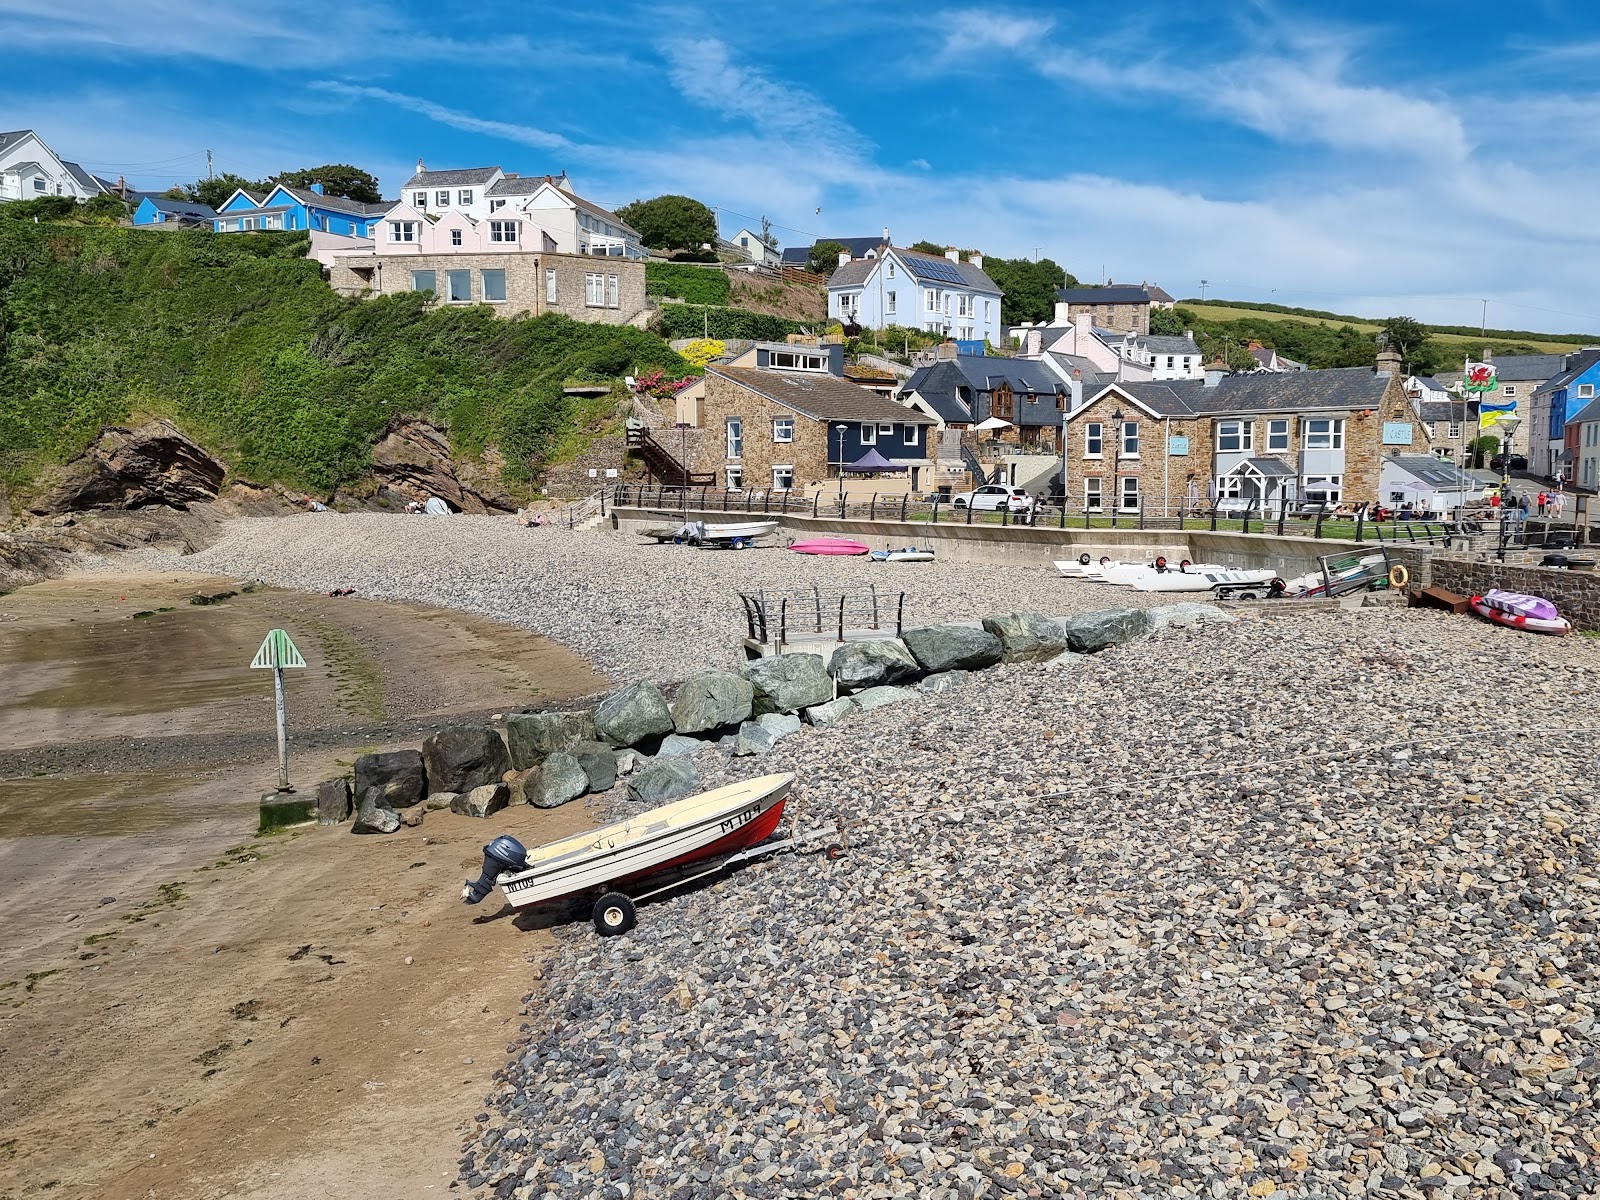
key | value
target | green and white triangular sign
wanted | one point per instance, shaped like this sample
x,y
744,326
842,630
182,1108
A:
x,y
278,651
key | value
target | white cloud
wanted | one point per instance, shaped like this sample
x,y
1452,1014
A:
x,y
704,71
527,135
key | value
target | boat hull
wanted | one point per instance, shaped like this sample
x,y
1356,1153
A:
x,y
1199,580
1554,626
831,546
662,839
906,554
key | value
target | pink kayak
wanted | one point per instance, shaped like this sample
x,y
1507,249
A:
x,y
830,545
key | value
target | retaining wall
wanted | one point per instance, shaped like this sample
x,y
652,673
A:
x,y
1575,593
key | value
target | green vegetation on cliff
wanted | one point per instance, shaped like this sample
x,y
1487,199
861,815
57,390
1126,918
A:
x,y
240,341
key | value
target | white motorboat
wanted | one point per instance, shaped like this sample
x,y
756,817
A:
x,y
904,554
736,534
722,821
1202,579
1129,574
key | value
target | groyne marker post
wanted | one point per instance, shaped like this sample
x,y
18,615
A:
x,y
278,652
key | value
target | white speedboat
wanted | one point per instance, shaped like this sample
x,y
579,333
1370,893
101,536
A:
x,y
1201,579
904,554
736,534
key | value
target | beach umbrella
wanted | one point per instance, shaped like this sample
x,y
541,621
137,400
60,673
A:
x,y
991,423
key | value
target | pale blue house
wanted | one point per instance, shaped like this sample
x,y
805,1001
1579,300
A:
x,y
896,286
298,208
165,213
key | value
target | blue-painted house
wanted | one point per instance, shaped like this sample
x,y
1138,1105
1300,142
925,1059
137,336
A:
x,y
162,212
1557,401
287,207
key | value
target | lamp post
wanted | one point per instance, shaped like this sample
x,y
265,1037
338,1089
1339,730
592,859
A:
x,y
1116,465
839,429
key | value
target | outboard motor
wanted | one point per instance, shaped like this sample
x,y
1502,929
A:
x,y
503,854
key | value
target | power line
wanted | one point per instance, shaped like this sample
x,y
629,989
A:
x,y
165,162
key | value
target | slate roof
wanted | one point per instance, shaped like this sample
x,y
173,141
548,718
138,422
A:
x,y
1434,471
519,185
823,397
1437,411
940,383
857,270
1161,344
12,136
1160,295
1334,389
183,208
85,180
468,177
1081,368
1114,294
338,203
21,167
1270,468
1576,365
799,256
1521,367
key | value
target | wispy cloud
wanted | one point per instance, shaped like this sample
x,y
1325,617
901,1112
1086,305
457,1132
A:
x,y
704,71
527,135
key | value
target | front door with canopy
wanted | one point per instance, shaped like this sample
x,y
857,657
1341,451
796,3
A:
x,y
1264,484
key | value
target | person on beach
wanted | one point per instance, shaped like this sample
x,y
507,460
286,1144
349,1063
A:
x,y
1542,501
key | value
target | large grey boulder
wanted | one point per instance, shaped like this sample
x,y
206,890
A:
x,y
675,745
1026,636
711,699
599,763
333,801
831,713
464,757
629,761
789,682
779,725
531,736
482,801
1182,616
397,774
373,815
559,779
668,779
438,800
944,681
857,665
953,647
636,714
877,697
1092,632
753,739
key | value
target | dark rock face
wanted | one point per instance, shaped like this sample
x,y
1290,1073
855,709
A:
x,y
132,468
953,647
558,780
532,736
374,816
709,700
635,714
1108,627
464,757
1027,637
333,801
857,665
669,779
789,682
599,763
397,774
414,457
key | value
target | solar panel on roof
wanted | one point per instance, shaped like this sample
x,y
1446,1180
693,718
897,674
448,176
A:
x,y
939,268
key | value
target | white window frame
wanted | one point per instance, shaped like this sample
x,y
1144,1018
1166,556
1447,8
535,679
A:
x,y
1453,431
1093,494
885,430
420,199
455,237
1585,391
464,197
945,304
1129,491
869,434
733,436
1241,432
913,434
483,284
449,286
594,290
442,197
987,310
1510,389
930,300
782,477
496,205
1274,433
889,272
783,429
966,305
505,231
1094,440
889,300
1331,485
1331,438
613,299
1126,437
733,478
1170,361
552,292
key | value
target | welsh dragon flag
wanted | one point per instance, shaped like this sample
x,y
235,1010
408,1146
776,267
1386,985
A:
x,y
1479,377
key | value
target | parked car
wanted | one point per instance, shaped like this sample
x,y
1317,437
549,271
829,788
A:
x,y
1519,462
992,497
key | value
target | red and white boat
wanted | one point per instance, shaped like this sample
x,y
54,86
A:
x,y
693,830
1518,611
830,545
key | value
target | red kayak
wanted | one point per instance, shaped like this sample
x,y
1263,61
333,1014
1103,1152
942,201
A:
x,y
1503,608
830,545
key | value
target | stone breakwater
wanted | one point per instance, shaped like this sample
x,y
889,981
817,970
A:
x,y
1285,911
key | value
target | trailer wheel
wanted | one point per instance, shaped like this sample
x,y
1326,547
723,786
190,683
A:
x,y
1247,596
614,915
738,543
1084,560
835,852
1104,559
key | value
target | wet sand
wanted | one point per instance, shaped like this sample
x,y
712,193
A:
x,y
160,1033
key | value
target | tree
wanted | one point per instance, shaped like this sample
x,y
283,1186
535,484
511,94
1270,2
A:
x,y
825,257
1029,287
215,191
927,248
1407,336
1481,448
1165,322
337,179
106,205
768,238
671,222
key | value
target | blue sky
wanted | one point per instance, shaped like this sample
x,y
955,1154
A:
x,y
1382,158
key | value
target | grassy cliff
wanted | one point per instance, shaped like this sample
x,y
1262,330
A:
x,y
239,341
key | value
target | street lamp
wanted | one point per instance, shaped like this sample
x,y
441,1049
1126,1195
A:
x,y
1116,464
839,429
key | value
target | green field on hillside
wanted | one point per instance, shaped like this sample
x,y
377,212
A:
x,y
1547,343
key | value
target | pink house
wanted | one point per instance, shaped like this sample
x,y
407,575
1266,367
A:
x,y
405,230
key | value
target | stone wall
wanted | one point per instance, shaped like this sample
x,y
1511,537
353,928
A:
x,y
1575,593
1160,480
570,480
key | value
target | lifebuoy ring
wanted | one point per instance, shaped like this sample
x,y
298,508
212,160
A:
x,y
1084,560
1399,576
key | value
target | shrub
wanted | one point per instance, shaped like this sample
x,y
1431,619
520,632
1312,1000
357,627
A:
x,y
694,320
697,285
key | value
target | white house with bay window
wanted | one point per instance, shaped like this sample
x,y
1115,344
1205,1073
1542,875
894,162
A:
x,y
895,286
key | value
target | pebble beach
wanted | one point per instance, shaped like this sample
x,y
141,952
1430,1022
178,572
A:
x,y
1300,907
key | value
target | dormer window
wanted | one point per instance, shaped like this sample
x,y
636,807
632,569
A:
x,y
419,199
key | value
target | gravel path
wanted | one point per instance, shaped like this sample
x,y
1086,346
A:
x,y
1300,908
633,608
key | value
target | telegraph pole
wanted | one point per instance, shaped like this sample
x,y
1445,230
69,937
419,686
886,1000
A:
x,y
208,164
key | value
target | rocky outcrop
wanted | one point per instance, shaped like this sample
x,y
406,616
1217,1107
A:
x,y
1097,631
1027,637
133,468
636,714
532,736
414,457
560,778
789,682
709,700
856,665
464,757
953,647
669,779
397,776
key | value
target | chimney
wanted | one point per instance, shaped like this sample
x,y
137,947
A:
x,y
886,235
1033,340
1062,315
1214,374
316,187
844,257
1189,333
976,259
952,254
1388,362
420,167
